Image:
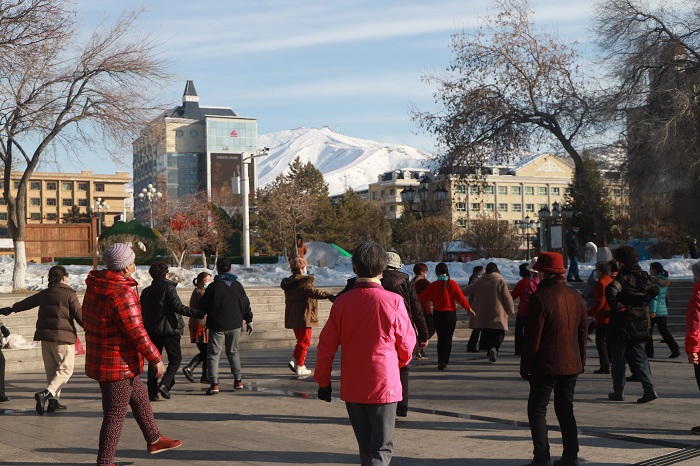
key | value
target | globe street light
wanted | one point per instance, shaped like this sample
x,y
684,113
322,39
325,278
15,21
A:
x,y
100,207
525,225
150,195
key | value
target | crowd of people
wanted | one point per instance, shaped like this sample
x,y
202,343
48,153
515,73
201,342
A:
x,y
382,314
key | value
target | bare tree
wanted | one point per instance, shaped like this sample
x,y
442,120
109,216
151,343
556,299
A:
x,y
492,238
58,89
424,239
510,88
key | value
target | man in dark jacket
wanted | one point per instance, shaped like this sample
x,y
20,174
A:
x,y
226,306
162,311
572,251
398,282
628,330
554,354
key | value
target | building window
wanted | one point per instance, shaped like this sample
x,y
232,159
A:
x,y
99,187
16,184
488,189
82,202
476,206
515,190
488,207
555,191
83,186
51,185
35,216
392,208
529,207
381,193
529,190
502,207
35,201
541,206
392,192
503,190
542,191
567,191
461,206
374,195
3,216
2,201
35,185
461,222
616,192
51,217
67,202
67,186
460,189
474,189
517,207
51,201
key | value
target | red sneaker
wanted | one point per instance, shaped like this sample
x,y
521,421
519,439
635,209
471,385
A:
x,y
163,444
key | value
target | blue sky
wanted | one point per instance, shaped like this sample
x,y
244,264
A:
x,y
353,65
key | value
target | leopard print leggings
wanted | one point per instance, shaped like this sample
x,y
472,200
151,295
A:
x,y
116,397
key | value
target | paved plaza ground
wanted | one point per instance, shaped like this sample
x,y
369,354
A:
x,y
472,413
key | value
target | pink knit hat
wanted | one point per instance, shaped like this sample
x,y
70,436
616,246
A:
x,y
118,256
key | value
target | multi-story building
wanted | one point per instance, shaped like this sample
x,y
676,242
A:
x,y
194,149
386,192
52,197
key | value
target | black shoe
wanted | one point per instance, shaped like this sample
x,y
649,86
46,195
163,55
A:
x,y
41,398
615,396
5,398
441,366
675,354
187,370
601,371
647,397
54,405
401,412
164,391
154,397
566,462
633,378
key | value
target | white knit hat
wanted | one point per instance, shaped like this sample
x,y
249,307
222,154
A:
x,y
118,256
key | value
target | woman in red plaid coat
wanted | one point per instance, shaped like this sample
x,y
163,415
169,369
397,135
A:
x,y
116,345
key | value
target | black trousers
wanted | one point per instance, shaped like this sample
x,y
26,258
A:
x,y
474,340
662,323
697,374
445,323
402,406
519,334
2,373
200,358
601,343
541,387
171,344
492,338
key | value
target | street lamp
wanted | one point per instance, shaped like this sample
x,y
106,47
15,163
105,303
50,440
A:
x,y
525,226
247,158
100,207
408,197
150,195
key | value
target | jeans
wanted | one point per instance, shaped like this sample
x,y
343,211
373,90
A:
x,y
374,430
171,343
573,268
602,344
636,358
662,323
228,340
541,386
445,323
519,333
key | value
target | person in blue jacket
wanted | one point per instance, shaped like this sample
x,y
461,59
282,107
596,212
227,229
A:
x,y
658,311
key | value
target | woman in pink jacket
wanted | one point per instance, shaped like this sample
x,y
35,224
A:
x,y
692,325
372,327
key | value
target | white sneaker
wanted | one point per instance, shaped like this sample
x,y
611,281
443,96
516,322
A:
x,y
293,365
302,370
492,355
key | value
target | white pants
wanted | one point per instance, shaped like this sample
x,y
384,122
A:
x,y
59,359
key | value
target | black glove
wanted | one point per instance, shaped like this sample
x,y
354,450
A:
x,y
331,297
5,332
6,311
324,393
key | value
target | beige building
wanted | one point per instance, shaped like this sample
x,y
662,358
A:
x,y
52,196
386,192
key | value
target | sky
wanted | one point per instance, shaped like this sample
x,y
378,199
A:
x,y
352,65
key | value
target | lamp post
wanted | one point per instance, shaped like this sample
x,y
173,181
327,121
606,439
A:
x,y
247,158
525,226
552,223
150,195
408,197
100,207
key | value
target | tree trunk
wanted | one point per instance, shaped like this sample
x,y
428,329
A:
x,y
204,259
20,268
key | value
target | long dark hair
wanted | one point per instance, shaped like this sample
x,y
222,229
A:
x,y
659,268
441,269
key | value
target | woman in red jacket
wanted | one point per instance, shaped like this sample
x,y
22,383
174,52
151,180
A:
x,y
600,310
444,293
692,325
116,345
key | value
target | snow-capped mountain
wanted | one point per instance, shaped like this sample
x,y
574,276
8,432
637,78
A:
x,y
345,162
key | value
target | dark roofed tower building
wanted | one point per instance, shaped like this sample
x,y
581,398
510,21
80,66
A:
x,y
193,149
